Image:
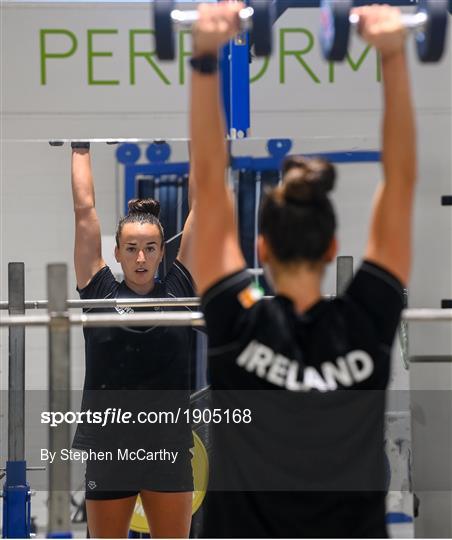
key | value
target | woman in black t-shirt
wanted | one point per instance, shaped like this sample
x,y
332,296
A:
x,y
133,370
307,377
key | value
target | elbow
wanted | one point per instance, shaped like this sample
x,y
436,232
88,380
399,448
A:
x,y
81,209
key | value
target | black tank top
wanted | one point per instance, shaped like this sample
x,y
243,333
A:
x,y
309,462
136,369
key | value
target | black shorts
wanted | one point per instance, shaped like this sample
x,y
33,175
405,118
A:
x,y
118,477
292,514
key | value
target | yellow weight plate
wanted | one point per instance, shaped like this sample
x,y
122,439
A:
x,y
200,466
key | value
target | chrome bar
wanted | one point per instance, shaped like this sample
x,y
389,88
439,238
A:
x,y
188,17
409,21
140,319
134,302
424,315
122,302
113,302
344,273
193,318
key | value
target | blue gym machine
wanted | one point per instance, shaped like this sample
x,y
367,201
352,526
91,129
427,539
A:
x,y
252,173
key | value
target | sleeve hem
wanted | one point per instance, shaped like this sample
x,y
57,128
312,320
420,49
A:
x,y
385,275
82,291
185,272
227,282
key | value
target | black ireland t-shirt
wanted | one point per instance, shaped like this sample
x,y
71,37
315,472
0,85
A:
x,y
310,461
138,369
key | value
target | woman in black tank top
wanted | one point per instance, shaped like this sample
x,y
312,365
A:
x,y
309,356
133,369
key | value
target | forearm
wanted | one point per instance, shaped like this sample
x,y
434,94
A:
x,y
399,136
207,127
82,180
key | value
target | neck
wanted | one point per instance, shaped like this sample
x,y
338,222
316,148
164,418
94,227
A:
x,y
146,288
300,284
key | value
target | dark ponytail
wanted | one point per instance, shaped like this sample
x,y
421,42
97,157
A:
x,y
141,211
297,217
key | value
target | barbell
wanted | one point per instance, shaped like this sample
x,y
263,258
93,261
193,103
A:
x,y
61,142
429,24
175,318
256,18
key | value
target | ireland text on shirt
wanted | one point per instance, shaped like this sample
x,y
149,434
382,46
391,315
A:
x,y
354,367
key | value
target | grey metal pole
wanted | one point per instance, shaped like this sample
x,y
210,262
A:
x,y
16,370
403,334
344,273
201,360
59,398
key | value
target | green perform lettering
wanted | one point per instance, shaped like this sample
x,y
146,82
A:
x,y
183,54
354,65
46,55
297,54
147,55
93,54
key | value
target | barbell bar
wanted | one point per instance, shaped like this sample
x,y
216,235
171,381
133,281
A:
x,y
429,24
32,468
61,142
112,303
173,319
106,320
122,303
257,18
56,141
112,142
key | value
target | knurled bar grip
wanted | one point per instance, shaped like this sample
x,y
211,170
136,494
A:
x,y
187,18
409,21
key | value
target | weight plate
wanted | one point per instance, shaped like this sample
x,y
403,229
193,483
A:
x,y
128,153
165,42
334,28
158,152
431,39
262,32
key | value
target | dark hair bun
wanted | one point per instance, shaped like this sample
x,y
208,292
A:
x,y
307,180
144,206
